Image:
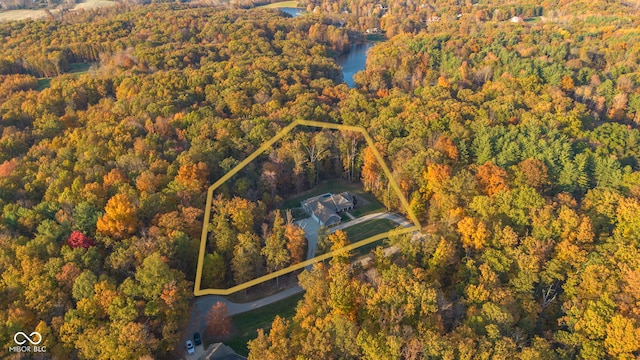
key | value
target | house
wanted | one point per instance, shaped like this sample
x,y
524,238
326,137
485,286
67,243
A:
x,y
433,19
326,208
220,351
517,19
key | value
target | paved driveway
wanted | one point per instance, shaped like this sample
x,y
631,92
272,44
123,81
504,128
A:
x,y
310,228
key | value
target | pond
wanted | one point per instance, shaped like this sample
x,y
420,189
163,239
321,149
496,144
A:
x,y
353,61
295,12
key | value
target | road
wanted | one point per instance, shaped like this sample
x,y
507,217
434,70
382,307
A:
x,y
197,323
380,215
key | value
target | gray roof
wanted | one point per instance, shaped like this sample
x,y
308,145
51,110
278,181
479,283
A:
x,y
323,213
333,202
220,351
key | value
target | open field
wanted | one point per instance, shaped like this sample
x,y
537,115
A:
x,y
280,4
369,228
245,325
94,4
24,14
76,69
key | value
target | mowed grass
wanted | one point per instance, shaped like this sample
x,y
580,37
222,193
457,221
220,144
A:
x,y
246,325
280,4
368,229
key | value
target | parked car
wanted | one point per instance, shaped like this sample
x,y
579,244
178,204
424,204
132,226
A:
x,y
197,339
190,348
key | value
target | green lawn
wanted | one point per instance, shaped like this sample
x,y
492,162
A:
x,y
372,207
43,83
337,186
79,68
280,4
376,37
369,228
76,69
246,325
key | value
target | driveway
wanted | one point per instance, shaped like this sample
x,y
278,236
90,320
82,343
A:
x,y
310,228
398,219
202,304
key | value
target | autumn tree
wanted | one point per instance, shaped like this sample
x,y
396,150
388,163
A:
x,y
535,173
78,239
371,170
218,320
120,217
247,262
296,241
275,250
492,178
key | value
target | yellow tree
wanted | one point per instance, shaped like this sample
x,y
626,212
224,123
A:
x,y
623,337
120,217
371,171
295,242
474,235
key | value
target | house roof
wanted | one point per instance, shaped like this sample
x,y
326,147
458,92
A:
x,y
323,213
333,202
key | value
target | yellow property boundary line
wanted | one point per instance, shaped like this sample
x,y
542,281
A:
x,y
207,213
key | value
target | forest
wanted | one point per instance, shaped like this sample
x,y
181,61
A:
x,y
517,144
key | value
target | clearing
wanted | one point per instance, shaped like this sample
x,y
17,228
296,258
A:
x,y
281,4
24,14
245,326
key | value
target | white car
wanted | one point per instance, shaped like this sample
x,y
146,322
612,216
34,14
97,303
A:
x,y
190,348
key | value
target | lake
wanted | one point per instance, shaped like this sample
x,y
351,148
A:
x,y
353,61
293,11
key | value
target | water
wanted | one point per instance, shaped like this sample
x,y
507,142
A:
x,y
293,11
353,61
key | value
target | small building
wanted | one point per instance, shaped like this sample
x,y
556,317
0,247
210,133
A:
x,y
326,208
432,19
517,19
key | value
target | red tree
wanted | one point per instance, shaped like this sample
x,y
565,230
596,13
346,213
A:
x,y
78,239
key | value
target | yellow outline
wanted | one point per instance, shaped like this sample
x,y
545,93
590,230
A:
x,y
207,214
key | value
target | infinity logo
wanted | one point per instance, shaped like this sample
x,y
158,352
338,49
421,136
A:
x,y
30,338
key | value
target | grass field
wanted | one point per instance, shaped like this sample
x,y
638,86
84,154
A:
x,y
75,68
369,228
280,4
376,37
24,14
79,68
246,325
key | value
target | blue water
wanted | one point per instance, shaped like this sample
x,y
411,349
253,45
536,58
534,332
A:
x,y
353,61
293,11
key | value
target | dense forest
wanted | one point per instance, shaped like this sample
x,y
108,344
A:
x,y
517,144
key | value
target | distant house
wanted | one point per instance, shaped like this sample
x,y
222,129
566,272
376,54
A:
x,y
372,31
517,19
433,19
326,208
